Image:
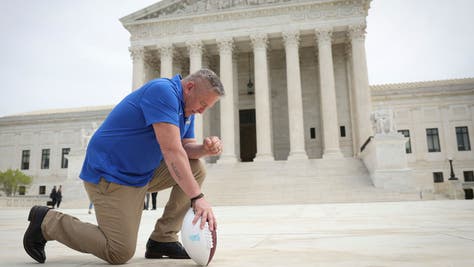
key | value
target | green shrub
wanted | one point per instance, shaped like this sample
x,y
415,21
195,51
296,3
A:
x,y
10,180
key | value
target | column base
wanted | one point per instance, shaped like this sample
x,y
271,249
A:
x,y
332,154
263,157
227,159
300,155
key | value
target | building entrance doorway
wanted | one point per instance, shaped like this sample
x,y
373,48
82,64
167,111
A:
x,y
248,135
469,193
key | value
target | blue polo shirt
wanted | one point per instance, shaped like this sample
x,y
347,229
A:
x,y
124,150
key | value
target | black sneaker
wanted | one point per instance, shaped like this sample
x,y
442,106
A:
x,y
33,240
158,250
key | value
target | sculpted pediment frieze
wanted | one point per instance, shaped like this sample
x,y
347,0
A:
x,y
196,7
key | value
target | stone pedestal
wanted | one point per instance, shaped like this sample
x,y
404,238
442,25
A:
x,y
455,190
386,160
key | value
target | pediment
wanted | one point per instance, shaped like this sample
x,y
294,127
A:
x,y
182,8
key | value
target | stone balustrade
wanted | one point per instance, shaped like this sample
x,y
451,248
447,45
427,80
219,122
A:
x,y
23,201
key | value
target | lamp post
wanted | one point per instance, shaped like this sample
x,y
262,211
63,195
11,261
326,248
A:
x,y
452,176
250,89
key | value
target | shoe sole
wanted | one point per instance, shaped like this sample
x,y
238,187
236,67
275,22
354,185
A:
x,y
28,230
161,256
153,256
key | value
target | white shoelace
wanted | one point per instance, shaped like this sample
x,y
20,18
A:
x,y
208,236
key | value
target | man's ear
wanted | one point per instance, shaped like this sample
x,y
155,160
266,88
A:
x,y
188,87
185,88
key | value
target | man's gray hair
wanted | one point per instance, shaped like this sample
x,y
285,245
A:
x,y
210,77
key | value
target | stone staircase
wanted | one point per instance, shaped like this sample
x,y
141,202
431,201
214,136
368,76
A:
x,y
293,182
277,182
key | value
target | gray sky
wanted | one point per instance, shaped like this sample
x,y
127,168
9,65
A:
x,y
65,53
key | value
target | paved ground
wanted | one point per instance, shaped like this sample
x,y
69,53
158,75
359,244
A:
x,y
428,233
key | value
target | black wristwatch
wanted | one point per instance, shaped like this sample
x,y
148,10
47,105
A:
x,y
196,198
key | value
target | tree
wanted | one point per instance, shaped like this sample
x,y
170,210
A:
x,y
10,180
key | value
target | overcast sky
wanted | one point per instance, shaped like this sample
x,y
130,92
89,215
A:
x,y
66,53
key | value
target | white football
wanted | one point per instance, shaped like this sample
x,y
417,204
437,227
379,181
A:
x,y
199,244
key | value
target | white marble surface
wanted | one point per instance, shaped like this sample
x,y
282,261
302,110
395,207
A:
x,y
428,233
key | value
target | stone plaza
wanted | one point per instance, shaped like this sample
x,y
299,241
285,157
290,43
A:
x,y
418,234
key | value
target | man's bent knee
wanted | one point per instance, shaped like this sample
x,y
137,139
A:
x,y
120,256
198,169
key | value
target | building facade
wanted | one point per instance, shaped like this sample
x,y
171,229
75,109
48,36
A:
x,y
305,59
296,82
437,118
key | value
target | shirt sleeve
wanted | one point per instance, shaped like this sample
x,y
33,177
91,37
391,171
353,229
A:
x,y
160,103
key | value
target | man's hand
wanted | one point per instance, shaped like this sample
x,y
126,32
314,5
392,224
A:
x,y
212,145
202,209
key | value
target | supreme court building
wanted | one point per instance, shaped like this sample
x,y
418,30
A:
x,y
298,111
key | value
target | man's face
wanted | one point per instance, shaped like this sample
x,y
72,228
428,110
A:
x,y
197,98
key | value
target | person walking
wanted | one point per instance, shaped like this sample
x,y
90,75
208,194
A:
x,y
53,196
146,144
153,200
146,203
59,196
91,206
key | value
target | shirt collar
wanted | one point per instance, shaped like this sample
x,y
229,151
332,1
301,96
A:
x,y
177,80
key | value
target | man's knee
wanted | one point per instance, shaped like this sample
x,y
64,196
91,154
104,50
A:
x,y
198,169
120,255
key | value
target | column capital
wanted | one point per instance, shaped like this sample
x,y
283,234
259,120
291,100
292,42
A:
x,y
236,55
225,44
291,37
166,50
137,52
195,47
357,31
259,40
323,35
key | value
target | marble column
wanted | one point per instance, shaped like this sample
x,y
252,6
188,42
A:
x,y
262,99
360,83
353,106
207,117
235,68
295,100
328,96
139,74
227,110
195,63
166,56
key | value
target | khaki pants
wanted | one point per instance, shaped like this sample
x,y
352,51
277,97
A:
x,y
118,211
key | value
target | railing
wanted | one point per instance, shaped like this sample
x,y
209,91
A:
x,y
366,143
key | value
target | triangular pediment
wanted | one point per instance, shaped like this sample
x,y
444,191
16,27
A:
x,y
182,8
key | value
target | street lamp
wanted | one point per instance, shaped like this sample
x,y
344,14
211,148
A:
x,y
452,176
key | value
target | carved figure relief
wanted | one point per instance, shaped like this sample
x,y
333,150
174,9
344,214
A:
x,y
202,6
383,121
86,135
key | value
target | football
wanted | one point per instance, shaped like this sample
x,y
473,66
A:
x,y
199,244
